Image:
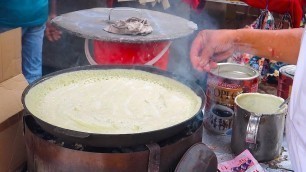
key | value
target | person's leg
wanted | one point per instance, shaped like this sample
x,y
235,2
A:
x,y
32,40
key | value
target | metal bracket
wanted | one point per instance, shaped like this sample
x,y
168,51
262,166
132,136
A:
x,y
154,157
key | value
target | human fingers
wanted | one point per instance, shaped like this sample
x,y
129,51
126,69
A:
x,y
211,65
48,34
51,37
56,36
213,60
196,49
195,61
222,56
206,57
56,33
53,34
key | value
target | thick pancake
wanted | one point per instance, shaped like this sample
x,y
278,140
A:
x,y
117,101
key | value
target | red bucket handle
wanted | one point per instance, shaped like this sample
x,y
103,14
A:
x,y
159,55
87,53
151,62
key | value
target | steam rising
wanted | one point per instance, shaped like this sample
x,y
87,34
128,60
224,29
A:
x,y
179,54
69,51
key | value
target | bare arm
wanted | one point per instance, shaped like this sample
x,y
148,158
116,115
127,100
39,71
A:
x,y
280,45
53,7
211,46
52,33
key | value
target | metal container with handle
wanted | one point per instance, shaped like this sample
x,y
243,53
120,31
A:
x,y
261,133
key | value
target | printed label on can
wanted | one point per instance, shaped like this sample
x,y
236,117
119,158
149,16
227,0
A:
x,y
285,81
221,93
220,105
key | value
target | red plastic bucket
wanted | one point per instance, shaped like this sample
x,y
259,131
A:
x,y
147,53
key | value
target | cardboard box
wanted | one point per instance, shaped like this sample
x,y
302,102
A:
x,y
12,84
10,54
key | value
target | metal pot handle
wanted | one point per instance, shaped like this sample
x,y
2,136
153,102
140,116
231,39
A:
x,y
252,129
159,55
154,157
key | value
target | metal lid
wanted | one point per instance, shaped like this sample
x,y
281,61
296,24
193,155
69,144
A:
x,y
235,71
91,22
288,70
198,158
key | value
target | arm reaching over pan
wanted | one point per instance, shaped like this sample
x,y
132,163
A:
x,y
212,46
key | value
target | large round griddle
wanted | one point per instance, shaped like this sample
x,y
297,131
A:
x,y
91,22
117,140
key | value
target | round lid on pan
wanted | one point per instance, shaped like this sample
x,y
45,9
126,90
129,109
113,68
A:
x,y
90,24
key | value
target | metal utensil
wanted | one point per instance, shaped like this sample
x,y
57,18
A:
x,y
262,134
198,158
284,103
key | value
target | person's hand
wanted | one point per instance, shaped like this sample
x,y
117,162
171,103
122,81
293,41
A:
x,y
210,47
52,33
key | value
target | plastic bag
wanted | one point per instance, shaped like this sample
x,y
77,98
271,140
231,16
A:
x,y
245,162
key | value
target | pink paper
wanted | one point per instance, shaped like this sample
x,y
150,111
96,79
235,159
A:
x,y
245,162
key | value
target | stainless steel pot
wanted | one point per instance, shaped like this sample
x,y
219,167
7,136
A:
x,y
262,134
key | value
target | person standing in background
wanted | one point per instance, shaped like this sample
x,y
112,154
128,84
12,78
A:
x,y
69,50
31,16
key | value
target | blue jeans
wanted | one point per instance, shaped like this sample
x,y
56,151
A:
x,y
32,40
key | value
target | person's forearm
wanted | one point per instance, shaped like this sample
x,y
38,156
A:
x,y
53,7
279,45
